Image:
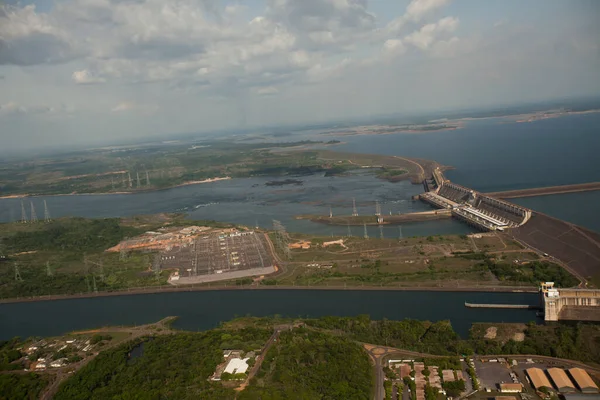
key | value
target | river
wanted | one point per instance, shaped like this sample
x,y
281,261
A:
x,y
205,310
489,155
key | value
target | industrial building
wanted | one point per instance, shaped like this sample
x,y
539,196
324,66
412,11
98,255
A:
x,y
561,381
476,209
583,380
538,378
511,387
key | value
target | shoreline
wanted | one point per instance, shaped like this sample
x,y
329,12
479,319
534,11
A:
x,y
179,289
189,183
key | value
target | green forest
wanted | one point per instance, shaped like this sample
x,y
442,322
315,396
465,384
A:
x,y
423,336
21,386
305,364
170,367
580,341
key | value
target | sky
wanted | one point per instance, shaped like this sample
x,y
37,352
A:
x,y
88,72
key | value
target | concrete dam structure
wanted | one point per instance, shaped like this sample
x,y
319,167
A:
x,y
483,212
570,304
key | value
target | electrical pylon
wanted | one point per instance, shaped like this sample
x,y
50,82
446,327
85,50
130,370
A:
x,y
354,211
46,213
147,179
366,235
23,213
137,174
130,181
34,217
18,273
377,208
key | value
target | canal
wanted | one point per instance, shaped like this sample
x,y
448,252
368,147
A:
x,y
205,310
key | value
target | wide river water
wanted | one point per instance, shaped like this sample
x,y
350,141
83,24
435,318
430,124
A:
x,y
205,310
489,155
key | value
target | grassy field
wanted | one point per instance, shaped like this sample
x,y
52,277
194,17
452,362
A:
x,y
449,261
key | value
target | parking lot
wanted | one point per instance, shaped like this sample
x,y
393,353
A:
x,y
492,373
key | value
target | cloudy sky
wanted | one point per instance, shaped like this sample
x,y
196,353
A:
x,y
76,72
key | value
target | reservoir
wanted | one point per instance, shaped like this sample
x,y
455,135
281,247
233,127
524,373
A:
x,y
488,155
199,311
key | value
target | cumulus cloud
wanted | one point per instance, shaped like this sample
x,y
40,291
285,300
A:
x,y
29,38
128,106
426,36
86,77
266,91
415,12
14,108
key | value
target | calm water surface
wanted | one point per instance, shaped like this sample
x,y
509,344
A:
x,y
205,310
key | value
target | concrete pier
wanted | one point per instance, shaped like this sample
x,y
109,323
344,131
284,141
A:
x,y
513,306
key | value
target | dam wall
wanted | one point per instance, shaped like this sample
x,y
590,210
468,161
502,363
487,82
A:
x,y
561,304
513,194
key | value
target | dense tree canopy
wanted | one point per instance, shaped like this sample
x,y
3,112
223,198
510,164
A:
x,y
171,367
305,364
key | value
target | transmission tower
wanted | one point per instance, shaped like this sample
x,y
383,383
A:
x,y
23,213
381,231
354,211
48,269
330,213
99,266
156,266
46,212
366,235
137,174
377,208
123,250
33,214
17,273
282,238
147,179
87,282
94,283
130,181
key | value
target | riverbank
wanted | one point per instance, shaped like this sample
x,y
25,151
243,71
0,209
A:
x,y
210,180
171,289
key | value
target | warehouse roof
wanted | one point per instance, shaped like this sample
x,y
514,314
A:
x,y
509,387
582,378
538,378
560,378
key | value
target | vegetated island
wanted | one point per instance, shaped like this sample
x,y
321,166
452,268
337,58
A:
x,y
273,357
92,257
285,182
